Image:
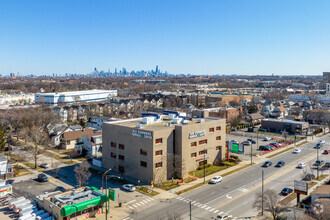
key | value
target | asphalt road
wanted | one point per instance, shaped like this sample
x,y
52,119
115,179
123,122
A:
x,y
236,193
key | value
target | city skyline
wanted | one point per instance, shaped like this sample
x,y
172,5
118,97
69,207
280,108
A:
x,y
186,37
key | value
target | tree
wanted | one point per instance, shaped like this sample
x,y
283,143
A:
x,y
82,173
252,109
271,200
234,122
36,136
234,103
2,138
82,123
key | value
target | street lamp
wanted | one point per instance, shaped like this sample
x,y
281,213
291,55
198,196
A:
x,y
103,175
318,164
262,192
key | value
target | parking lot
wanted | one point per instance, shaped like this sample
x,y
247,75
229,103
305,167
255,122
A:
x,y
259,141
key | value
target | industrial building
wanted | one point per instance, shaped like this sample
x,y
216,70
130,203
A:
x,y
79,203
73,97
158,147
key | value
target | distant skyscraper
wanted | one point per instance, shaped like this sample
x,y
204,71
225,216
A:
x,y
326,77
157,69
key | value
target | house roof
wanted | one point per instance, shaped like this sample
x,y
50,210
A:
x,y
256,116
281,108
74,135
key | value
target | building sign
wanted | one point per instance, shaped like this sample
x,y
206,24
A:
x,y
300,187
197,134
235,147
142,134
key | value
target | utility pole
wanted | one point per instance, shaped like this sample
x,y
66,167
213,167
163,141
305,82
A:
x,y
257,141
190,209
262,192
318,164
204,163
251,153
295,138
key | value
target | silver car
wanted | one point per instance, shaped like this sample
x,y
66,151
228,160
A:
x,y
129,187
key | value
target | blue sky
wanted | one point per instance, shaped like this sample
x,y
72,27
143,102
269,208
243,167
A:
x,y
197,37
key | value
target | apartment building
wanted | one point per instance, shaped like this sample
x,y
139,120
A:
x,y
158,147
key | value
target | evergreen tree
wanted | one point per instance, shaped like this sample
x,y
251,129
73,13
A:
x,y
2,138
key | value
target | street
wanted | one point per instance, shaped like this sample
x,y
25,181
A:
x,y
235,195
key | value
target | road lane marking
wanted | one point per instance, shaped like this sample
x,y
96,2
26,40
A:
x,y
224,195
211,210
207,208
268,180
130,202
228,197
216,211
134,206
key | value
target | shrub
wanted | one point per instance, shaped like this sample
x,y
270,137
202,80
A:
x,y
234,156
202,167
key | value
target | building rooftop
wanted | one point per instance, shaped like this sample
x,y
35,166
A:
x,y
323,189
285,121
78,92
164,123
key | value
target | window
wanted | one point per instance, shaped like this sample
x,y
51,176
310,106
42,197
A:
x,y
218,147
143,163
121,157
202,152
193,144
121,169
113,155
121,146
204,162
113,144
202,142
159,152
211,129
160,164
159,140
143,152
218,128
218,138
193,155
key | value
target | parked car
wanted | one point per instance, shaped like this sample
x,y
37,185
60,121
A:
x,y
263,147
322,141
60,188
319,162
297,151
276,144
267,164
216,179
246,143
252,141
271,147
129,187
42,177
318,145
326,152
301,165
286,191
309,177
222,217
44,165
267,139
280,163
263,129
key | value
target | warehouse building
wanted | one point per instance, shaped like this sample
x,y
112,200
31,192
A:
x,y
158,147
79,203
280,125
73,97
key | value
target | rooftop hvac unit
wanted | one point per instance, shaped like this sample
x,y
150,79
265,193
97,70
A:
x,y
171,116
177,120
139,125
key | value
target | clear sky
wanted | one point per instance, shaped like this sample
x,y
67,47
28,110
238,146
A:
x,y
181,36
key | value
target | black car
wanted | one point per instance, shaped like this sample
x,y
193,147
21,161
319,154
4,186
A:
x,y
42,178
252,141
286,191
267,164
309,177
280,163
60,188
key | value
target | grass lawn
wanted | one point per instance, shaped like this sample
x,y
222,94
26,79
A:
x,y
321,177
168,185
212,169
58,157
146,191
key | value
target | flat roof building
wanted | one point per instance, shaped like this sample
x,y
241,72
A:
x,y
74,96
79,203
280,125
158,147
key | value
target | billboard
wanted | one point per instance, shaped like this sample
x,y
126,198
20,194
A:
x,y
301,187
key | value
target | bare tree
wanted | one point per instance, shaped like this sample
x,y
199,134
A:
x,y
175,165
36,137
82,173
271,200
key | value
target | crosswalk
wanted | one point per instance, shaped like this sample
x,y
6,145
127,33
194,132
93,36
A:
x,y
136,204
204,206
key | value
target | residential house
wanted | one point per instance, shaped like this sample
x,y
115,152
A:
x,y
96,121
279,112
317,116
70,139
255,118
62,113
72,113
90,145
5,168
267,110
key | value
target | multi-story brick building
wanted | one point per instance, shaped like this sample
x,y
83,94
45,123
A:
x,y
159,147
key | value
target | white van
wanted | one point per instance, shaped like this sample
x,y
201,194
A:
x,y
27,217
20,204
13,201
43,216
27,211
27,206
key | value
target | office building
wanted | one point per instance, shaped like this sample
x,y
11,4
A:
x,y
158,147
326,77
74,96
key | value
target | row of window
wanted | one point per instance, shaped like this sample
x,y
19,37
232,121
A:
x,y
217,129
114,145
202,142
142,152
202,152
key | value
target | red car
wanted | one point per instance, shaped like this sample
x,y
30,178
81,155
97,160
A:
x,y
326,152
